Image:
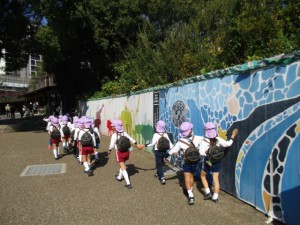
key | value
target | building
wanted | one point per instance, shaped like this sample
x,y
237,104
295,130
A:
x,y
29,85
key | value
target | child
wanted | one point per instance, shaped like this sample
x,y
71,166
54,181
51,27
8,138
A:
x,y
87,142
55,135
162,144
189,167
66,133
79,126
97,138
212,139
120,140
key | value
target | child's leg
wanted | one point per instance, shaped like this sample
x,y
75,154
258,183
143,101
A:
x,y
159,164
124,172
54,148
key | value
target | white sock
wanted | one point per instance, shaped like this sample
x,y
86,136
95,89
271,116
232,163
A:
x,y
190,192
57,150
126,177
80,158
215,196
67,144
207,190
55,153
86,166
96,155
120,176
64,144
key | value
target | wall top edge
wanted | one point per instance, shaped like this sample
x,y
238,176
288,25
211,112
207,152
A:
x,y
281,59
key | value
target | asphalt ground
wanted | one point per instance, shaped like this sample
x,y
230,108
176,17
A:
x,y
74,198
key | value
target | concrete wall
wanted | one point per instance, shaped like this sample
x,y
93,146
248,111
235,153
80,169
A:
x,y
262,167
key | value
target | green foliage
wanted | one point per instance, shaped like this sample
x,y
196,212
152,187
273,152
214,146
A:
x,y
101,48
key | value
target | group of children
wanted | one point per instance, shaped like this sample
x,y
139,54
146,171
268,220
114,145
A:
x,y
84,137
80,137
194,149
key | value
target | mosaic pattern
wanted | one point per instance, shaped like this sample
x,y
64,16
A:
x,y
262,105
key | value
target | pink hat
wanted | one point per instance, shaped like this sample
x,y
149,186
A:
x,y
87,122
119,125
55,122
210,130
65,119
79,123
185,129
160,126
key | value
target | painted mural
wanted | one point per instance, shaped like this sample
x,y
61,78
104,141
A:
x,y
136,113
262,167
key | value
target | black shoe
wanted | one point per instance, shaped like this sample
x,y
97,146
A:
x,y
118,179
191,201
86,171
128,186
215,200
90,173
156,176
163,181
56,158
207,196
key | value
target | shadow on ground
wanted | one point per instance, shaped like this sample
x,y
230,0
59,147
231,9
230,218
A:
x,y
34,123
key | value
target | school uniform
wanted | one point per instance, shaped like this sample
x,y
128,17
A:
x,y
204,146
89,149
120,156
196,140
159,155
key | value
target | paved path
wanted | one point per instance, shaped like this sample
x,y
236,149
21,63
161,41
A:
x,y
74,198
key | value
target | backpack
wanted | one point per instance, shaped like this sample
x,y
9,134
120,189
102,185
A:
x,y
163,143
55,134
86,139
215,153
66,130
72,134
192,153
123,143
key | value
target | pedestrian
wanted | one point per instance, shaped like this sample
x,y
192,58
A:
x,y
162,144
79,127
208,142
12,111
49,122
55,135
7,109
97,138
87,144
66,133
188,144
121,141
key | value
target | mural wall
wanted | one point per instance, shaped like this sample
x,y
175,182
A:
x,y
136,113
262,167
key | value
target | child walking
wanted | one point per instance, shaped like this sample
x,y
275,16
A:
x,y
121,141
162,144
87,144
188,141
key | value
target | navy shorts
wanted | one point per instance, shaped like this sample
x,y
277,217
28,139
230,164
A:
x,y
214,168
190,168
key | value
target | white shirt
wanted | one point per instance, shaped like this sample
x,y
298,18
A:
x,y
182,146
156,137
114,139
76,133
205,144
51,128
96,130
